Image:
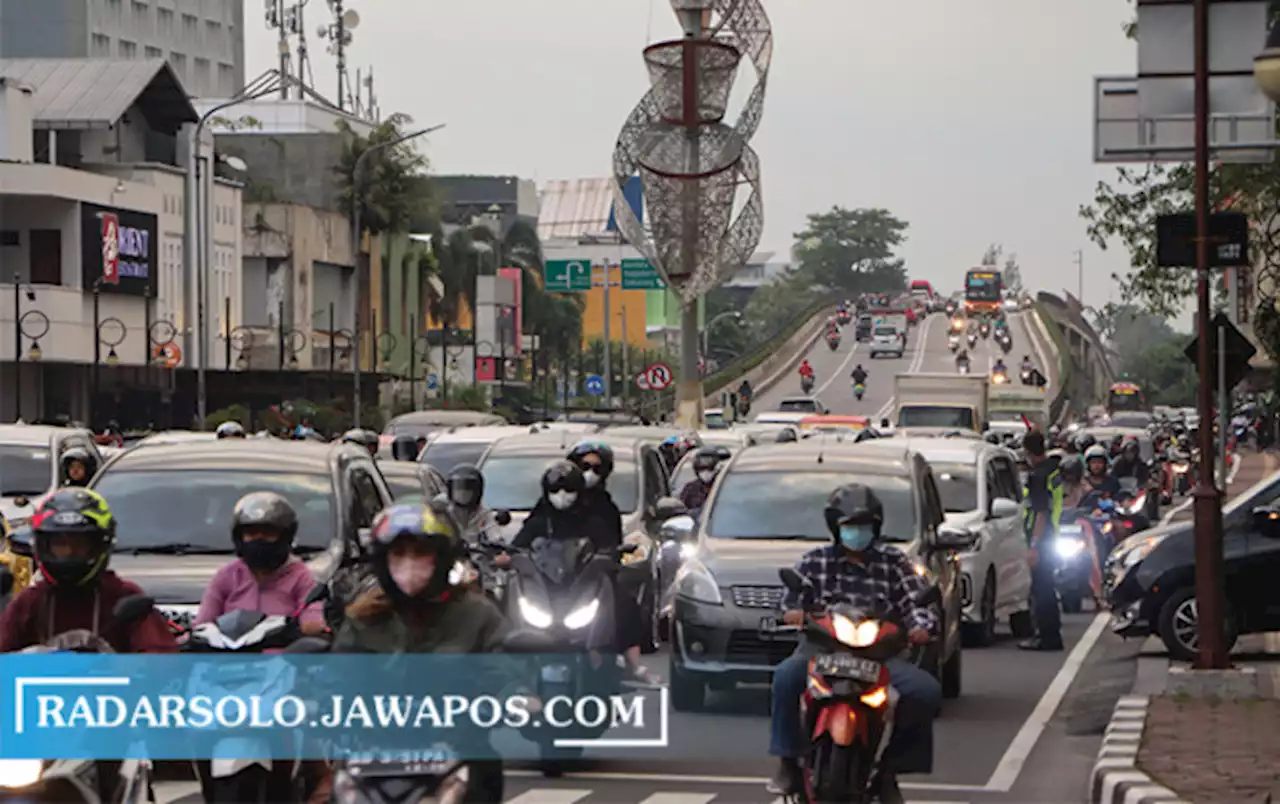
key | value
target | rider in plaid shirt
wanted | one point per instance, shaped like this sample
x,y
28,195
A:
x,y
857,570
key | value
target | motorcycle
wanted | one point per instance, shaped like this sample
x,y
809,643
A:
x,y
833,341
962,366
999,378
858,390
973,340
953,342
1006,344
806,384
1076,546
1175,475
848,705
1025,375
984,329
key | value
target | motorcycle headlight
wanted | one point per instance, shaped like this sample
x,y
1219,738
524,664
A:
x,y
1068,546
19,773
688,551
533,615
582,617
1181,468
855,635
696,583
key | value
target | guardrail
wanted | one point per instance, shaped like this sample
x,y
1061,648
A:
x,y
1059,406
726,377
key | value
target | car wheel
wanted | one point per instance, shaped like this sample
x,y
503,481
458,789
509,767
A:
x,y
1177,623
1022,624
688,692
951,675
983,632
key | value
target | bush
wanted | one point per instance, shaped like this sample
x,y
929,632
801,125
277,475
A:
x,y
231,413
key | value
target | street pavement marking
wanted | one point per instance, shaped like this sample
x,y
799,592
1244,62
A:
x,y
676,778
839,372
680,798
922,338
1015,756
549,795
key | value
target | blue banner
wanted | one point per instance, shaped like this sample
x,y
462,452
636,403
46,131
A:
x,y
399,707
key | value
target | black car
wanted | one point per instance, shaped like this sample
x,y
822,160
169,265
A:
x,y
174,503
764,513
862,332
410,481
1150,577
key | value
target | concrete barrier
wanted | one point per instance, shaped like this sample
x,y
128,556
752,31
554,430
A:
x,y
779,364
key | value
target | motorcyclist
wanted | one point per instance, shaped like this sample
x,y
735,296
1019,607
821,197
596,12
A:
x,y
1097,477
404,447
999,367
1071,467
706,463
858,569
1130,463
859,375
464,488
78,467
362,438
962,358
229,430
1027,365
744,391
806,370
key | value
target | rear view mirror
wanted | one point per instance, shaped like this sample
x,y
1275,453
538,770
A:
x,y
949,538
132,609
503,518
678,529
1003,508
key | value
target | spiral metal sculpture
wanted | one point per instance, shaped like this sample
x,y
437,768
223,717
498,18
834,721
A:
x,y
690,162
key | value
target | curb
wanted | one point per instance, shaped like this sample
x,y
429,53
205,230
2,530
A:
x,y
1116,778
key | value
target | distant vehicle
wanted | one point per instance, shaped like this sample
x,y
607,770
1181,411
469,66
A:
x,y
463,445
802,404
982,291
887,340
1125,396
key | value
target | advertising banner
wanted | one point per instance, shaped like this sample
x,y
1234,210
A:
x,y
119,251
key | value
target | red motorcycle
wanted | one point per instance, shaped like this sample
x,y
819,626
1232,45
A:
x,y
848,705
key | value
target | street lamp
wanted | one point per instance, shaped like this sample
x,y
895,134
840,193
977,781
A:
x,y
241,338
355,260
1266,66
19,324
706,331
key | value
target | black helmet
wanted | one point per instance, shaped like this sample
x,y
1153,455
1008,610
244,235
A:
x,y
562,484
404,447
466,485
579,453
1131,449
1072,468
264,510
853,503
708,458
363,438
78,513
993,437
1085,442
84,458
786,436
428,525
230,430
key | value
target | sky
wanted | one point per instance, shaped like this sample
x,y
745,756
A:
x,y
969,119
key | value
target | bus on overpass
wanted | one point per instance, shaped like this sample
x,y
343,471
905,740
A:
x,y
982,287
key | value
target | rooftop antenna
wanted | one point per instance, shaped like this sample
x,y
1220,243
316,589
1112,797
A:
x,y
297,27
277,19
345,20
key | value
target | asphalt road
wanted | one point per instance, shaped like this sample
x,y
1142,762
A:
x,y
1025,729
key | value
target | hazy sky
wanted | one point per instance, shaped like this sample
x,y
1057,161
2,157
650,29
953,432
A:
x,y
969,119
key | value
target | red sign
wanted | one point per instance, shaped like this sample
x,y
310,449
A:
x,y
486,369
517,278
110,249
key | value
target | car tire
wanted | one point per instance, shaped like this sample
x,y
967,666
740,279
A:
x,y
983,633
688,692
1022,624
952,675
1173,624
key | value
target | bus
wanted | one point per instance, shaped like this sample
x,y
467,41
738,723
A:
x,y
1125,396
982,287
921,289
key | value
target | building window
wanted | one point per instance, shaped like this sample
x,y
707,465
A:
x,y
101,45
201,71
140,11
179,64
46,257
154,53
128,50
227,80
189,27
213,29
164,17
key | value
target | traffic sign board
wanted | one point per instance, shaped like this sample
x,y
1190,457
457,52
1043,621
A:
x,y
658,377
432,380
640,275
1238,351
1228,240
594,385
565,276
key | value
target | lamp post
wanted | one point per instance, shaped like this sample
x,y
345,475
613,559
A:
x,y
706,331
449,352
100,339
355,259
290,341
20,320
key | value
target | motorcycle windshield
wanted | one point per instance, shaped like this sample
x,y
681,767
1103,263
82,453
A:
x,y
558,559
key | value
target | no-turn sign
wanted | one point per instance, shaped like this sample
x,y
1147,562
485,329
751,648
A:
x,y
656,377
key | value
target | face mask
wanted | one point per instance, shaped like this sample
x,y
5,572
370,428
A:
x,y
707,477
264,556
562,499
857,537
464,497
591,479
411,574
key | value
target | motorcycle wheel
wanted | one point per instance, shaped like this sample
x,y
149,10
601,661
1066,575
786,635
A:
x,y
835,773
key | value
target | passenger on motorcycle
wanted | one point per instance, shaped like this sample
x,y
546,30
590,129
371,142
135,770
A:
x,y
1027,365
229,430
999,367
962,357
266,576
706,463
859,570
1130,463
859,374
362,438
78,467
744,391
1073,487
1097,475
465,491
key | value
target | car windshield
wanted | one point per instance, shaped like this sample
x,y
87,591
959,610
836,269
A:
x,y
936,416
193,507
797,406
789,505
402,486
25,470
444,456
957,486
886,331
514,482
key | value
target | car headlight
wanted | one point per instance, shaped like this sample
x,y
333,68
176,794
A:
x,y
696,583
855,635
1068,546
582,617
19,773
1140,551
537,617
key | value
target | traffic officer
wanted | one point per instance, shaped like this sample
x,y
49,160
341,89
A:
x,y
1043,493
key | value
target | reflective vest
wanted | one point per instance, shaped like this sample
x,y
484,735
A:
x,y
1056,494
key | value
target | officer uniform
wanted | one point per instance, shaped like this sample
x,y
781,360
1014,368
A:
x,y
1044,493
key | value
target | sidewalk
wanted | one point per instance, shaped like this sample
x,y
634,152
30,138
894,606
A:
x,y
1253,467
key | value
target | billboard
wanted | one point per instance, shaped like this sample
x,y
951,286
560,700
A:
x,y
119,250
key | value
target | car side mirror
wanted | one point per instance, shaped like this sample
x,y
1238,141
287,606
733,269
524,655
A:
x,y
668,508
1266,520
308,644
949,538
503,518
1003,507
680,529
22,542
132,609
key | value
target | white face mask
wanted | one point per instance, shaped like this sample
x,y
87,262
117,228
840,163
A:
x,y
464,497
411,574
562,499
707,476
591,479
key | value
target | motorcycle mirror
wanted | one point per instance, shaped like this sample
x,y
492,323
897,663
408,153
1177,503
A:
x,y
791,579
930,597
308,644
133,608
503,518
318,592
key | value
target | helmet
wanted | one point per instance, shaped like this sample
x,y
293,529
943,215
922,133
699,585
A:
x,y
264,510
579,454
466,485
77,513
993,437
1072,468
84,458
562,484
853,503
404,448
362,438
1085,442
431,529
1131,449
230,430
1096,451
708,459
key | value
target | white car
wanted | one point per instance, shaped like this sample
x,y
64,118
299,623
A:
x,y
887,341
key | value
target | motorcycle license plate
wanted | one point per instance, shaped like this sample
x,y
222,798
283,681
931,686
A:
x,y
556,673
842,665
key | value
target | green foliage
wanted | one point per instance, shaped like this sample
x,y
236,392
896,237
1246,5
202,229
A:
x,y
465,397
852,250
777,304
765,347
392,189
1150,354
231,413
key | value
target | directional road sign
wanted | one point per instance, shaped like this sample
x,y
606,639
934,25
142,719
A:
x,y
1239,352
640,275
594,385
433,380
565,276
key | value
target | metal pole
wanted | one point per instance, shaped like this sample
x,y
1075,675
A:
x,y
282,48
689,397
1080,276
17,345
608,341
97,356
226,326
413,359
201,387
626,359
1210,600
280,334
341,48
444,362
332,333
1224,407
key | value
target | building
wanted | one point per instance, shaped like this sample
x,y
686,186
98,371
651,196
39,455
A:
x,y
91,238
203,40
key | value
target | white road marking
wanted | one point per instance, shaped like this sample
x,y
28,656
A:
x,y
838,372
921,350
680,798
675,778
1015,756
549,795
1024,318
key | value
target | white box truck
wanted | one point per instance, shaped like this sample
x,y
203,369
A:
x,y
948,401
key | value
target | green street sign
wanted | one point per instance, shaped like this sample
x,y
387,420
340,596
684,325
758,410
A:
x,y
640,275
566,276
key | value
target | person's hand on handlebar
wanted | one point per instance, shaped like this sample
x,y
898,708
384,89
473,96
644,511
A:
x,y
918,636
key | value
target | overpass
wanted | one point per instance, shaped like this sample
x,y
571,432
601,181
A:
x,y
1084,362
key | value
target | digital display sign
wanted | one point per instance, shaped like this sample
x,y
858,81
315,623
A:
x,y
119,250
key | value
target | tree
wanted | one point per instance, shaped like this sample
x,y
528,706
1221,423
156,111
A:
x,y
392,188
852,250
777,304
1151,354
1010,274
